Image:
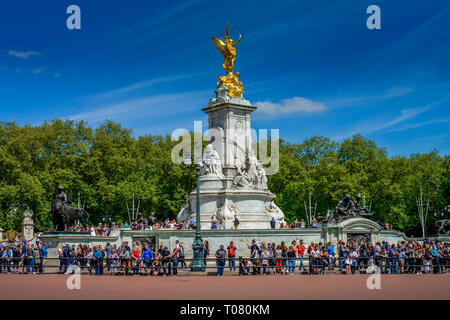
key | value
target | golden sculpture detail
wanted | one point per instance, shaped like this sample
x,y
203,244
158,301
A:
x,y
228,51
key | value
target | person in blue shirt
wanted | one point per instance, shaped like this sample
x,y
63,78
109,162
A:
x,y
273,223
147,255
97,257
108,253
220,255
164,256
253,251
435,258
393,255
44,253
66,256
7,257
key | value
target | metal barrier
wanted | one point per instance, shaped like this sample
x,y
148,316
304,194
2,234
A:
x,y
101,266
320,265
240,266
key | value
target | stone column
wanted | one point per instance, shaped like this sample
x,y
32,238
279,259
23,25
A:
x,y
1,234
28,225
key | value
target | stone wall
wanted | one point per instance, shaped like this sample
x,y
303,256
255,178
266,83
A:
x,y
241,238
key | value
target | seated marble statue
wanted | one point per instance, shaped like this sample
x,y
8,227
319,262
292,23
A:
x,y
211,164
242,179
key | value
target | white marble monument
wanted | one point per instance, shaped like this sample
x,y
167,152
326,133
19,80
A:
x,y
233,181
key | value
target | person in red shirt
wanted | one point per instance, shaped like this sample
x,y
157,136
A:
x,y
301,253
232,256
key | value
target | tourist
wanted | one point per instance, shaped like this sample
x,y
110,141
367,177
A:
x,y
125,258
97,259
147,257
244,267
8,256
174,257
220,255
342,252
164,257
232,256
301,254
253,251
114,261
284,257
181,256
393,257
135,260
427,261
278,259
291,260
92,231
37,259
30,258
265,259
272,249
353,255
213,222
205,250
315,259
302,224
236,222
324,258
44,254
108,252
273,223
435,256
222,224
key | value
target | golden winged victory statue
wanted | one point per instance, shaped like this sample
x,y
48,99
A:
x,y
228,51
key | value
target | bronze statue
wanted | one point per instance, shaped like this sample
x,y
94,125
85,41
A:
x,y
64,214
347,208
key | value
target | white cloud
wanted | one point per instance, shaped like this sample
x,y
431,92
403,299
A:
x,y
22,54
291,105
418,125
144,107
359,100
38,70
381,124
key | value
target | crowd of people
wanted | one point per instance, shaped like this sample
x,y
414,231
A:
x,y
19,256
405,257
104,230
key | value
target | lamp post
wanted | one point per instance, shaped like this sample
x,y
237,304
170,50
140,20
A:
x,y
198,263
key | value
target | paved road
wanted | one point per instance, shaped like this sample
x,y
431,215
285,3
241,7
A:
x,y
231,287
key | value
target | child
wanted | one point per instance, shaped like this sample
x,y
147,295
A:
x,y
114,261
347,264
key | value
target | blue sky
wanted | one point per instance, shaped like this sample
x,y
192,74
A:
x,y
312,67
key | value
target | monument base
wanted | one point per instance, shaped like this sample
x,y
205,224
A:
x,y
354,228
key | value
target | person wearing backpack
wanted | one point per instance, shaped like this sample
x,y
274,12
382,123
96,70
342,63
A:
x,y
232,256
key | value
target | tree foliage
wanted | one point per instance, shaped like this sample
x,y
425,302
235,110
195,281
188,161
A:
x,y
106,166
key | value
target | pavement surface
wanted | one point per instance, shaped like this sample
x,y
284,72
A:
x,y
297,287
